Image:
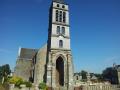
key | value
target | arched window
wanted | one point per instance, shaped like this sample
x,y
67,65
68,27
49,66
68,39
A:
x,y
60,43
56,15
63,30
64,17
58,5
58,29
63,6
60,17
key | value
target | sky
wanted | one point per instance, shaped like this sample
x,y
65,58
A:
x,y
94,30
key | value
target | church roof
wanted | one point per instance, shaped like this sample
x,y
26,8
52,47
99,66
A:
x,y
59,1
26,53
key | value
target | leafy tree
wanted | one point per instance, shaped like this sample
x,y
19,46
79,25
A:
x,y
84,74
99,77
4,72
0,74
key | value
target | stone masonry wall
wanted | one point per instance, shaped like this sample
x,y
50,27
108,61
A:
x,y
40,65
22,69
97,87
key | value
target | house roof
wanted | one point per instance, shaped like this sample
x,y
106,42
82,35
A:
x,y
93,77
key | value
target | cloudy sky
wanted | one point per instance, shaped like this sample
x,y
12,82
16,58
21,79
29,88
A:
x,y
95,30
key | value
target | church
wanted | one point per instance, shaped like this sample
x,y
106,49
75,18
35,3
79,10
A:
x,y
53,63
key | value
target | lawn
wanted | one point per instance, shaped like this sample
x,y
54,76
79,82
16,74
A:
x,y
1,87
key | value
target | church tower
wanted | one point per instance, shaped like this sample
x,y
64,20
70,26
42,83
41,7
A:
x,y
59,67
53,62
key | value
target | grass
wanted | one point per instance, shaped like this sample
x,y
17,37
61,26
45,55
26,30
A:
x,y
1,87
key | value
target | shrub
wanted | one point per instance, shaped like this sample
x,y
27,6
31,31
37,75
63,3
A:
x,y
19,82
16,80
28,84
42,86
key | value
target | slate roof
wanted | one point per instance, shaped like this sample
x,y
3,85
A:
x,y
59,1
26,53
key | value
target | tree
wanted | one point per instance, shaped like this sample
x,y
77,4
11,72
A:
x,y
99,77
0,74
4,72
84,74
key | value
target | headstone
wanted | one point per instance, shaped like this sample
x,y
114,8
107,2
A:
x,y
11,86
36,87
23,87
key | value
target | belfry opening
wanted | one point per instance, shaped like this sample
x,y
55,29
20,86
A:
x,y
60,71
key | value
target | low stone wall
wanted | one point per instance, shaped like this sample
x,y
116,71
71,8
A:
x,y
83,87
98,87
22,87
116,87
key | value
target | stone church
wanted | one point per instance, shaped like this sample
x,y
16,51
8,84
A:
x,y
53,62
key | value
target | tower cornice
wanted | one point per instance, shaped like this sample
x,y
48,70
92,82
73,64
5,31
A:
x,y
57,23
60,1
54,35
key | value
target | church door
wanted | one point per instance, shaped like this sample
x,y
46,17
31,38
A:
x,y
60,72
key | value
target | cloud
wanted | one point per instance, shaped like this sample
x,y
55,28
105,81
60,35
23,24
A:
x,y
4,51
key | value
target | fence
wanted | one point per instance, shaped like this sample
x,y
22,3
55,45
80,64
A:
x,y
98,87
83,87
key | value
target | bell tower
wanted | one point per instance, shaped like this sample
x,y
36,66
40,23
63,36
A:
x,y
59,37
59,58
